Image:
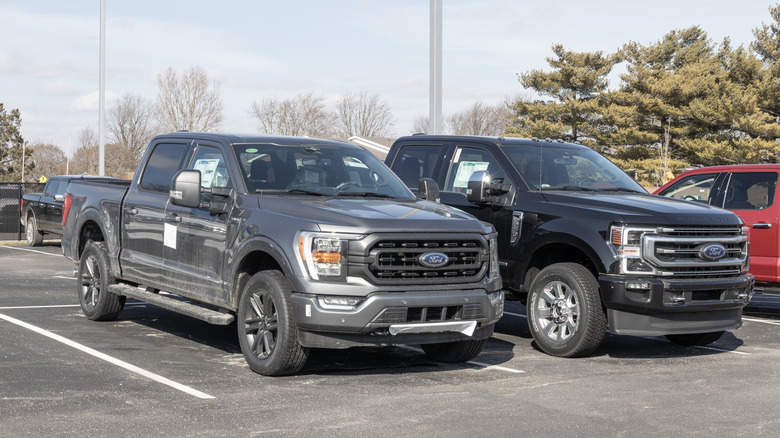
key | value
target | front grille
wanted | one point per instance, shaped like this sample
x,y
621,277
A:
x,y
678,251
391,259
400,315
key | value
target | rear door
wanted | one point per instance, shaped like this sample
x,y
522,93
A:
x,y
752,195
143,214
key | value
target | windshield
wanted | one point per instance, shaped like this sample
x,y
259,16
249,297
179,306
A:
x,y
557,168
317,169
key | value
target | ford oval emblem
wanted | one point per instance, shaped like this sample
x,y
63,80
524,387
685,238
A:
x,y
713,251
434,259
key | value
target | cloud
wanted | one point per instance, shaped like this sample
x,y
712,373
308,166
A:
x,y
59,88
91,101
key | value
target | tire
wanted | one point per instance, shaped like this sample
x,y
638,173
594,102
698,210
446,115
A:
x,y
94,278
564,311
695,339
266,329
34,237
454,352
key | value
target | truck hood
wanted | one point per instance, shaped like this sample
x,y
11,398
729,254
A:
x,y
640,208
372,215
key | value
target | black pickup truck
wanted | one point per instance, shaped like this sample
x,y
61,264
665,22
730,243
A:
x,y
306,243
42,212
585,246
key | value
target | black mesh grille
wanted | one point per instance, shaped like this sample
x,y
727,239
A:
x,y
401,259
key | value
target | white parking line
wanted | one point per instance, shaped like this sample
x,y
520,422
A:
x,y
108,358
515,314
486,366
761,321
30,250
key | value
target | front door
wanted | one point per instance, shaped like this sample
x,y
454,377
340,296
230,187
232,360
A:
x,y
195,243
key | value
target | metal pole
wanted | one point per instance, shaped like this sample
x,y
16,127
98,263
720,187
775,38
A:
x,y
24,147
67,159
101,128
434,119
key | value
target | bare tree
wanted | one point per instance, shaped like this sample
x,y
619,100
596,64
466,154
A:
x,y
421,125
49,160
479,119
190,101
86,158
303,115
363,115
131,123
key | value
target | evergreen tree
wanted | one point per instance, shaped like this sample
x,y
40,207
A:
x,y
11,146
570,110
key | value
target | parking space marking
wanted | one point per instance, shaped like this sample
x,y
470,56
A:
x,y
515,314
483,365
31,250
109,359
52,306
761,321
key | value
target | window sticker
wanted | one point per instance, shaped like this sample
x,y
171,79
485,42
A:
x,y
465,170
208,170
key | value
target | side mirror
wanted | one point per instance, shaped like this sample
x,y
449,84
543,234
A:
x,y
478,185
59,198
429,190
185,189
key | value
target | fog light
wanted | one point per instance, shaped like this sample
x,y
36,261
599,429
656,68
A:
x,y
637,285
340,303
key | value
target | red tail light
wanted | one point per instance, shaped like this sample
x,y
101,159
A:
x,y
66,208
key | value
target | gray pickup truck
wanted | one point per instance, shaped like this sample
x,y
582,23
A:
x,y
305,243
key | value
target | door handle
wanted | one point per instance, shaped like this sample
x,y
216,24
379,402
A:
x,y
132,210
762,226
175,217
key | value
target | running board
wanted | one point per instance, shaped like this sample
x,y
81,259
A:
x,y
210,316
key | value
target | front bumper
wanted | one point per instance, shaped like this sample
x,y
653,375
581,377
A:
x,y
398,318
660,306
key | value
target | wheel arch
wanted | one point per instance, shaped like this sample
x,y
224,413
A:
x,y
254,256
560,248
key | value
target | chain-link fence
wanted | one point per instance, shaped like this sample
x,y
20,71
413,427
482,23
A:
x,y
10,199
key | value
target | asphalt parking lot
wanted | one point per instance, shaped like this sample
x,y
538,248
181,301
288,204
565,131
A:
x,y
156,373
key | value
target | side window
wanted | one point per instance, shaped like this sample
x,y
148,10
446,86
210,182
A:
x,y
165,161
750,191
415,162
62,187
50,188
692,188
211,163
468,160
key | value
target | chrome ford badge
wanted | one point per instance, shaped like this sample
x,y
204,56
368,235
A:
x,y
433,259
713,251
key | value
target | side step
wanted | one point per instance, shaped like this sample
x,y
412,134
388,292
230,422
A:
x,y
185,308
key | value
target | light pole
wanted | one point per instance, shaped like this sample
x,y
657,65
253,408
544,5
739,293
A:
x,y
102,92
434,118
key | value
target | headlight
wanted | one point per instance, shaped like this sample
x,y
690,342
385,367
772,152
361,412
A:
x,y
325,255
493,247
627,242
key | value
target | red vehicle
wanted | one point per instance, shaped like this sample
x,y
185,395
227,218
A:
x,y
748,190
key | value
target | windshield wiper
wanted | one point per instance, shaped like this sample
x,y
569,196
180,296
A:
x,y
306,192
371,194
619,189
573,188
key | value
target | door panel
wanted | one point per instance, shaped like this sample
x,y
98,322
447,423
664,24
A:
x,y
752,196
143,215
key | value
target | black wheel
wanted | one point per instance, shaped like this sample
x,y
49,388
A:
x,y
695,338
453,352
564,311
94,278
266,329
34,237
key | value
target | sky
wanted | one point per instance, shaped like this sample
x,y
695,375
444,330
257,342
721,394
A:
x,y
258,49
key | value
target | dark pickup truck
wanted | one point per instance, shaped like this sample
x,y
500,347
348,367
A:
x,y
42,212
585,246
306,243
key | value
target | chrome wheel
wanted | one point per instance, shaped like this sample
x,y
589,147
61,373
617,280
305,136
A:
x,y
558,311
